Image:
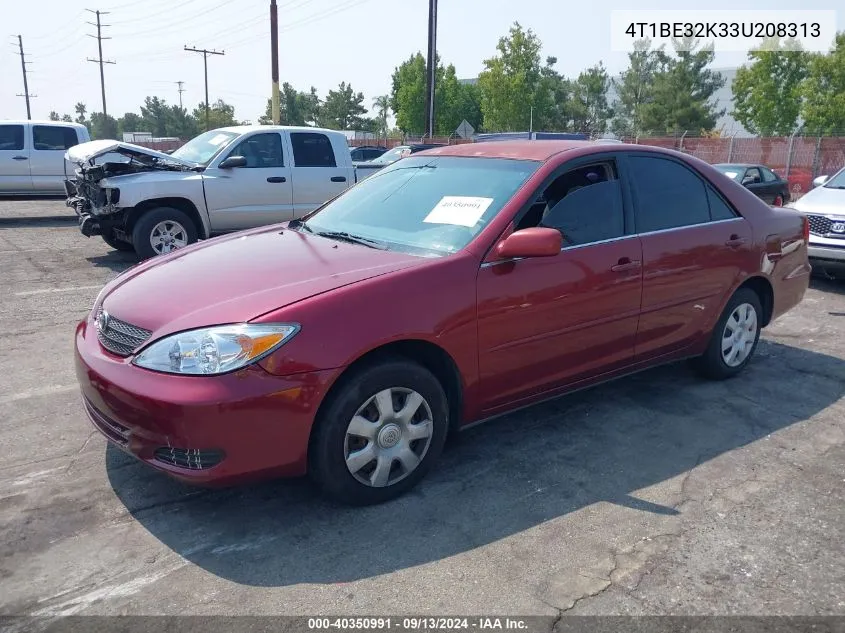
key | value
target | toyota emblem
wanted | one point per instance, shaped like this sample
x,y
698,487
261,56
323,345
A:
x,y
837,227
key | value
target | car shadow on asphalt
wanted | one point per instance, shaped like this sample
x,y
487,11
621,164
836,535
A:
x,y
828,285
37,222
493,481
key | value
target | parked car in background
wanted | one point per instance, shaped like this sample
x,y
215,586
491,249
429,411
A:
x,y
824,206
224,180
499,274
368,168
760,180
366,152
32,156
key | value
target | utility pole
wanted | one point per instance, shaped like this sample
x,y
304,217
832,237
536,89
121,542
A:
x,y
100,61
180,91
274,60
25,84
431,67
205,53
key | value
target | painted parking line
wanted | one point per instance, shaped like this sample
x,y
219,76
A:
x,y
35,393
43,291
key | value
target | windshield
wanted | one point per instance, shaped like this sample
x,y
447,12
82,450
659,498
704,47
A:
x,y
393,155
731,171
204,147
427,205
837,181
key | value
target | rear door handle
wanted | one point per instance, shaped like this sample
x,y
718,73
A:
x,y
624,264
736,240
338,178
19,158
277,179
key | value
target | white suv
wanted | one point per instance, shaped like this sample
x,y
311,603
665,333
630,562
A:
x,y
824,207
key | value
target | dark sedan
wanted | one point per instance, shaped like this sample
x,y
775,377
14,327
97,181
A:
x,y
760,180
366,152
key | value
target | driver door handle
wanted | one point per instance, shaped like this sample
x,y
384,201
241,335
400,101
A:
x,y
625,263
338,178
19,157
277,179
736,240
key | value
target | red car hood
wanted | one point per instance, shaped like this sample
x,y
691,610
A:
x,y
240,277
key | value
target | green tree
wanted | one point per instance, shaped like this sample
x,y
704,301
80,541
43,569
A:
x,y
343,108
635,88
54,116
823,90
154,115
130,122
382,108
220,114
407,95
103,126
683,91
556,114
590,111
295,108
67,118
767,92
81,111
512,82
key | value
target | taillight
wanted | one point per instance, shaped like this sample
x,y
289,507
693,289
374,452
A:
x,y
806,229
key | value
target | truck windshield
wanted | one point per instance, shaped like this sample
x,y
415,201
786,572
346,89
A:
x,y
427,205
204,147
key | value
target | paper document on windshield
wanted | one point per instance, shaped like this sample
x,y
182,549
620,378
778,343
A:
x,y
458,210
218,139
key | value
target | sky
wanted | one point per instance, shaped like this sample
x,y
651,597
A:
x,y
321,43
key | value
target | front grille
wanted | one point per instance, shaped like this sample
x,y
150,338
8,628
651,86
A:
x,y
820,225
189,458
113,430
119,337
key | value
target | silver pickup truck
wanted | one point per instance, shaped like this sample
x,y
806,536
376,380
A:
x,y
224,180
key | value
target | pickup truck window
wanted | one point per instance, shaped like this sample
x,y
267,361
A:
x,y
311,149
53,137
11,137
261,150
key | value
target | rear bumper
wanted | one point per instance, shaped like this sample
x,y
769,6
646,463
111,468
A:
x,y
249,425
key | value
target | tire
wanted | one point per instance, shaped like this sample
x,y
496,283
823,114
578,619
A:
x,y
333,440
157,219
713,364
116,244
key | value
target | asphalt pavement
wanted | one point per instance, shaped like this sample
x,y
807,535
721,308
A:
x,y
656,494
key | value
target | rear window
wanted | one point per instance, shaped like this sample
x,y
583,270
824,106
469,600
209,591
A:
x,y
11,137
311,149
53,137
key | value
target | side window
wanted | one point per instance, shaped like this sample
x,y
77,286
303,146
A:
x,y
585,205
719,209
261,150
753,175
311,149
53,137
11,137
768,175
668,194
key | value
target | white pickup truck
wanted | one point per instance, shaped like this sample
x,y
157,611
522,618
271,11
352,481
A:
x,y
224,180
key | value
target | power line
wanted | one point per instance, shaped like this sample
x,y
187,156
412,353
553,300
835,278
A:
x,y
25,83
205,53
100,60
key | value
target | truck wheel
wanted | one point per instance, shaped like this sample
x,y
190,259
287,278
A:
x,y
162,230
116,244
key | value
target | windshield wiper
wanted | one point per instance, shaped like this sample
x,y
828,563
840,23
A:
x,y
355,239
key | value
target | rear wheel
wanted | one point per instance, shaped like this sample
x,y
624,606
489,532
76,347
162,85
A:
x,y
162,230
379,434
734,338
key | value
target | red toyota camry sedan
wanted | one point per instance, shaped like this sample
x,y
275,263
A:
x,y
453,286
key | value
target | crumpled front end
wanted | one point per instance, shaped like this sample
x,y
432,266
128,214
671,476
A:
x,y
97,205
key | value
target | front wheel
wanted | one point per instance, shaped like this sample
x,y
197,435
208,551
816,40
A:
x,y
162,230
734,338
379,434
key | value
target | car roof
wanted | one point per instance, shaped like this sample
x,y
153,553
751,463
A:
x,y
73,124
243,129
539,150
739,165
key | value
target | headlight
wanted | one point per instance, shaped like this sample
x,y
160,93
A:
x,y
214,350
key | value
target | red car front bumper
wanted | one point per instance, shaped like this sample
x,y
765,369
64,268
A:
x,y
215,430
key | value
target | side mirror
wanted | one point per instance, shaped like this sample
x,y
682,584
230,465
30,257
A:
x,y
233,161
533,242
818,182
